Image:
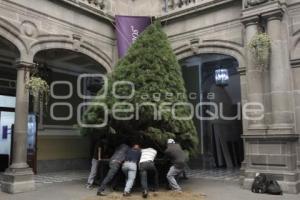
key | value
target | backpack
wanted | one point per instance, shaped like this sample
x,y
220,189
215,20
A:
x,y
264,184
273,187
260,184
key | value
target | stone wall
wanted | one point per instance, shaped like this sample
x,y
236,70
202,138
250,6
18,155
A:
x,y
138,8
294,11
50,24
59,152
272,148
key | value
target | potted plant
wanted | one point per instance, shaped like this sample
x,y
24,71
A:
x,y
260,47
38,87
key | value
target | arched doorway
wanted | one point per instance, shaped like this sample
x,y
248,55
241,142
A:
x,y
60,145
8,73
213,84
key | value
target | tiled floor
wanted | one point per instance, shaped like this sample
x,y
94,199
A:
x,y
68,176
215,174
69,186
59,177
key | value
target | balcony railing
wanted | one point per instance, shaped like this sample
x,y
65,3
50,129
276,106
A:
x,y
176,5
97,4
171,5
176,8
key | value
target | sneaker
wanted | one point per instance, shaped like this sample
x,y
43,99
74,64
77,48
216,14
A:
x,y
178,191
101,193
89,186
145,194
126,194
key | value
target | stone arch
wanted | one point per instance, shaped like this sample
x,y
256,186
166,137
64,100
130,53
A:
x,y
232,49
12,33
219,47
64,42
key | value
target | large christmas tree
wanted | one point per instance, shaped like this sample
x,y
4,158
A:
x,y
152,68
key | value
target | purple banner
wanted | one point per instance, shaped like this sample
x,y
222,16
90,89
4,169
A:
x,y
128,28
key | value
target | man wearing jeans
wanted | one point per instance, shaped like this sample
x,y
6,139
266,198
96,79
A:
x,y
129,167
147,165
177,156
114,166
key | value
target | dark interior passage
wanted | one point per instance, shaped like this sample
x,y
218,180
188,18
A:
x,y
8,55
213,83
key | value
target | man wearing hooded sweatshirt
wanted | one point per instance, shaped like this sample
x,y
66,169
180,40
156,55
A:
x,y
177,157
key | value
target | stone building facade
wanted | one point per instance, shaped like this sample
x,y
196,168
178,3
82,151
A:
x,y
194,27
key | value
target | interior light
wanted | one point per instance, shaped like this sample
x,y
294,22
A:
x,y
221,76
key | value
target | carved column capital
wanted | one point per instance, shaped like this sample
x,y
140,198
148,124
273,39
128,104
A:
x,y
19,64
273,15
252,20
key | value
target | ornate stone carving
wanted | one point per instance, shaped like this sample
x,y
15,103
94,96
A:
x,y
173,4
29,29
194,45
77,41
100,3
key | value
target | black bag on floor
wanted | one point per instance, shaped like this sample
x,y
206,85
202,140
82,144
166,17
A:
x,y
273,187
260,184
264,184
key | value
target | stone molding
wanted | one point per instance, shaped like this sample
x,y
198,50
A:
x,y
267,7
92,6
295,63
295,49
13,34
27,66
276,14
209,46
250,20
279,137
65,26
252,3
242,71
206,31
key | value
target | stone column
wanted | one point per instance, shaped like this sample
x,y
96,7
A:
x,y
254,76
282,116
19,177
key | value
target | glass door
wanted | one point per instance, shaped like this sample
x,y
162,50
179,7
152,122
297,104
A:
x,y
6,121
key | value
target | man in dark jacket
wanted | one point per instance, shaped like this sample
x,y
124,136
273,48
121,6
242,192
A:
x,y
177,156
129,167
114,165
99,151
